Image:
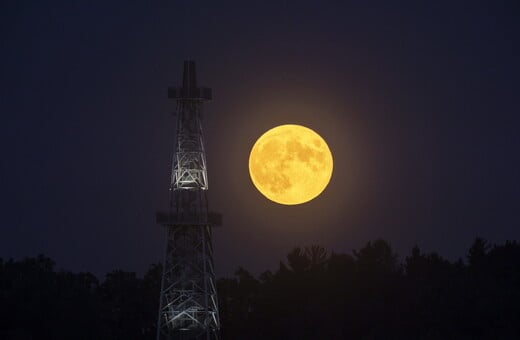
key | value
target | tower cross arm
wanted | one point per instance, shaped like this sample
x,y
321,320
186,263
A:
x,y
172,219
197,93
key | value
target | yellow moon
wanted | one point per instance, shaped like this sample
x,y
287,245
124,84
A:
x,y
290,164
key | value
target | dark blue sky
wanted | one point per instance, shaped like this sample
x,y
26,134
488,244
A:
x,y
419,102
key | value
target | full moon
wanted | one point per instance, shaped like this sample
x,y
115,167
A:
x,y
290,164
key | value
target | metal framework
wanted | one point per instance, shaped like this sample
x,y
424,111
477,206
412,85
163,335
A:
x,y
188,303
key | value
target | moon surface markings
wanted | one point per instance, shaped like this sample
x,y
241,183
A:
x,y
290,164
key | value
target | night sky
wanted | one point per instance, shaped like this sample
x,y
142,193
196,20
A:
x,y
418,101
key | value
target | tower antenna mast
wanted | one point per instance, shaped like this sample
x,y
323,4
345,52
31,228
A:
x,y
188,303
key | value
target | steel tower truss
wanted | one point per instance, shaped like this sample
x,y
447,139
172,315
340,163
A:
x,y
188,303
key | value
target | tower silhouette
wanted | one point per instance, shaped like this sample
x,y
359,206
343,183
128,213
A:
x,y
188,307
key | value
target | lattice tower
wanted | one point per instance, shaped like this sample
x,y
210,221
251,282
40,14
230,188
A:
x,y
188,302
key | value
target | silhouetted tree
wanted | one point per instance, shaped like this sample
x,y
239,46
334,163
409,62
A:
x,y
477,252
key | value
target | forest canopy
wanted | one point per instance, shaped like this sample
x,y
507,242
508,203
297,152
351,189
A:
x,y
313,294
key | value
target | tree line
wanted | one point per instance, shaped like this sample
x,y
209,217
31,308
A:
x,y
313,294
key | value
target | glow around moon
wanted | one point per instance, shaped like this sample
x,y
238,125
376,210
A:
x,y
290,164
